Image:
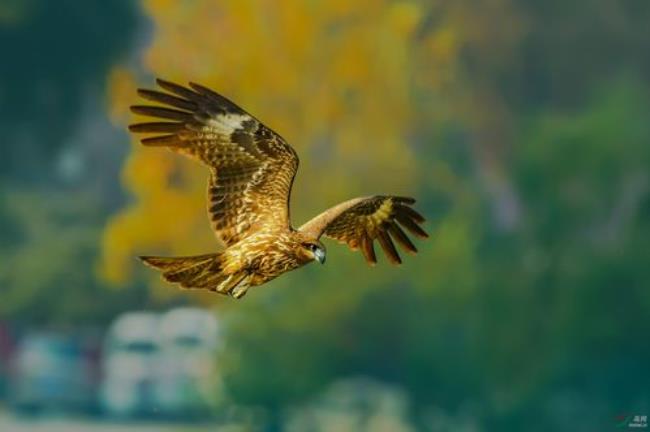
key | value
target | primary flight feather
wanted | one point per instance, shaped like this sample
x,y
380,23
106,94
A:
x,y
251,173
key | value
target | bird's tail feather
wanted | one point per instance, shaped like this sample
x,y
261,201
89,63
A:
x,y
200,271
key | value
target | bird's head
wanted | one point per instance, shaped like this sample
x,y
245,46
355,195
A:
x,y
312,250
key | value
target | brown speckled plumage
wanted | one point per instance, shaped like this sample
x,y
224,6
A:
x,y
252,170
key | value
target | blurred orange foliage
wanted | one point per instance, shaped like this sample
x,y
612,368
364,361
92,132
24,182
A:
x,y
338,79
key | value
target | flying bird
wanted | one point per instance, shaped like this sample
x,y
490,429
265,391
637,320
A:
x,y
252,169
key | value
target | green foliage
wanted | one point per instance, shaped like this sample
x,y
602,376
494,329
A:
x,y
522,128
47,275
522,325
56,56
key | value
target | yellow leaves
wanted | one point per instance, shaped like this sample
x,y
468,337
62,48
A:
x,y
146,228
118,244
404,17
335,78
147,171
121,88
443,44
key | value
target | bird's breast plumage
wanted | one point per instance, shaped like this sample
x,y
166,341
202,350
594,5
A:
x,y
265,255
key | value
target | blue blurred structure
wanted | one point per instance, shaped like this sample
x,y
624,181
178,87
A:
x,y
52,372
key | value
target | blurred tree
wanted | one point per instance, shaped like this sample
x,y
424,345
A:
x,y
310,70
56,55
585,183
52,80
47,276
529,148
338,80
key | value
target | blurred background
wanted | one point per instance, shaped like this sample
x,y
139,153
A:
x,y
521,127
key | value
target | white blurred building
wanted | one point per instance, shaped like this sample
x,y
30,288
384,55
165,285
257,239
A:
x,y
161,364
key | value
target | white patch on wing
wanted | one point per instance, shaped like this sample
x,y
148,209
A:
x,y
227,123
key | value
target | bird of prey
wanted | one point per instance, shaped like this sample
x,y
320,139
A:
x,y
251,173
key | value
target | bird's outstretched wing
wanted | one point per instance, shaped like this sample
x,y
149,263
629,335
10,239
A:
x,y
361,221
252,167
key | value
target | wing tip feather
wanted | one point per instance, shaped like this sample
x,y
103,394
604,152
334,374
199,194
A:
x,y
162,141
404,200
162,82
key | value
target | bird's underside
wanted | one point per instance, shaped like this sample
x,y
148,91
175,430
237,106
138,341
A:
x,y
251,173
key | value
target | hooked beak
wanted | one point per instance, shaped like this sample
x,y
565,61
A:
x,y
320,255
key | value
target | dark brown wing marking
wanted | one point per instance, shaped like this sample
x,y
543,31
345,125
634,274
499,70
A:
x,y
252,167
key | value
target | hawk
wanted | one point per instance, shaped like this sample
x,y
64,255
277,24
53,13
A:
x,y
252,169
